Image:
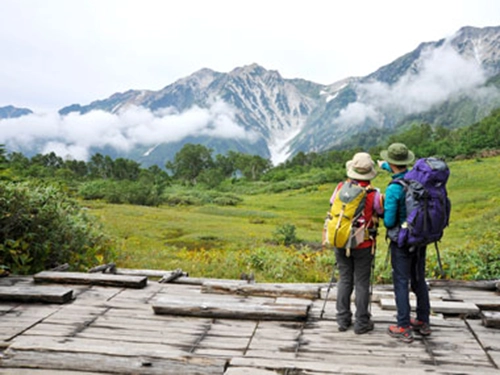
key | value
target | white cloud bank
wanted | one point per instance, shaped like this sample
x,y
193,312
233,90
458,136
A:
x,y
442,74
74,135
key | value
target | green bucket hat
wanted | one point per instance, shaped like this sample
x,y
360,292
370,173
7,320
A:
x,y
398,154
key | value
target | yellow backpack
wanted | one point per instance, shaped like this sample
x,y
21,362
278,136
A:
x,y
344,231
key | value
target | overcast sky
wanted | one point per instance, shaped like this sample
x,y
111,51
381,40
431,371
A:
x,y
59,52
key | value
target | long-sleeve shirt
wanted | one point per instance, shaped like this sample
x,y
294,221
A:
x,y
394,204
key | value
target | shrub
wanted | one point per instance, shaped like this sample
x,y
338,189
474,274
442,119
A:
x,y
141,192
42,228
286,235
94,189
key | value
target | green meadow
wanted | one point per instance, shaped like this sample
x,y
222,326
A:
x,y
252,237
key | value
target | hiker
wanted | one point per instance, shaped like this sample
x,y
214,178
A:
x,y
408,263
355,264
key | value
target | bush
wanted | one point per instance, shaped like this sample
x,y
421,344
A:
x,y
286,235
94,189
142,193
42,228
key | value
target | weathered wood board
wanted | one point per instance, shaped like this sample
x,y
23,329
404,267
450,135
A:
x,y
265,290
230,309
45,294
443,307
355,366
91,279
249,371
32,371
116,364
489,285
491,319
483,299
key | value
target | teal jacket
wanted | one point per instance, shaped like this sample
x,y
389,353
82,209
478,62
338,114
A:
x,y
394,204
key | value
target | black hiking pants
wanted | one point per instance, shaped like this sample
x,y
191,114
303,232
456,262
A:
x,y
355,274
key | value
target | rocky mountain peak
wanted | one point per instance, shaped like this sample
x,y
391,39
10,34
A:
x,y
479,44
199,80
279,117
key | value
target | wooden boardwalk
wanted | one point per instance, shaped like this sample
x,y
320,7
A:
x,y
196,326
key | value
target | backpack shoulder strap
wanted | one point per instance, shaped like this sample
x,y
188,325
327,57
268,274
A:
x,y
400,181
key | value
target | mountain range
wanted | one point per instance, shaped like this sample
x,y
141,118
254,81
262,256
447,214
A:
x,y
452,82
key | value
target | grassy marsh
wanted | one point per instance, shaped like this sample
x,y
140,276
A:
x,y
214,241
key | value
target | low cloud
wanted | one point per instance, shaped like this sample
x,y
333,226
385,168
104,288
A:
x,y
74,135
439,75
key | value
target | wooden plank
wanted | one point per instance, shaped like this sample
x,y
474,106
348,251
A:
x,y
33,371
112,364
491,319
263,290
44,294
473,284
486,300
249,371
443,307
355,365
230,309
147,272
170,339
91,279
95,346
489,339
201,280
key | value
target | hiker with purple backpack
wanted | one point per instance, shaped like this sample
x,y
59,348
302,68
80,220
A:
x,y
408,254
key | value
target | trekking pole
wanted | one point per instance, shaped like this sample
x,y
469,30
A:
x,y
372,277
371,280
443,275
328,291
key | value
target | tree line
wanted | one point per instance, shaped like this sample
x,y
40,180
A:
x,y
195,165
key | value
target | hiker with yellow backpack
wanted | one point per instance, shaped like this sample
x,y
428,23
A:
x,y
351,228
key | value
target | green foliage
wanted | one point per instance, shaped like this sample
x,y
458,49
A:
x,y
143,192
266,263
40,228
426,140
178,196
3,164
286,235
190,162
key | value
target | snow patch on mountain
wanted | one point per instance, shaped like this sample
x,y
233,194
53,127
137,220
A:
x,y
279,145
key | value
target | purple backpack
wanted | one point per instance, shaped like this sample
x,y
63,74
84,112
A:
x,y
427,204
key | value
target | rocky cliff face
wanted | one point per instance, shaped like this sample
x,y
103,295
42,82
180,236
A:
x,y
262,102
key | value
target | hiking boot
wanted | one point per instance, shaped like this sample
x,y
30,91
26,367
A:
x,y
344,326
420,327
404,334
365,328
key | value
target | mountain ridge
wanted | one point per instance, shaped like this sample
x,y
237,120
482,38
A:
x,y
276,117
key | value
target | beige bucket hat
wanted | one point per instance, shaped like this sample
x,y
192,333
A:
x,y
361,167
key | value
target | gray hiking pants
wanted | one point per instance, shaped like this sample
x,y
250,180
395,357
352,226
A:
x,y
355,274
